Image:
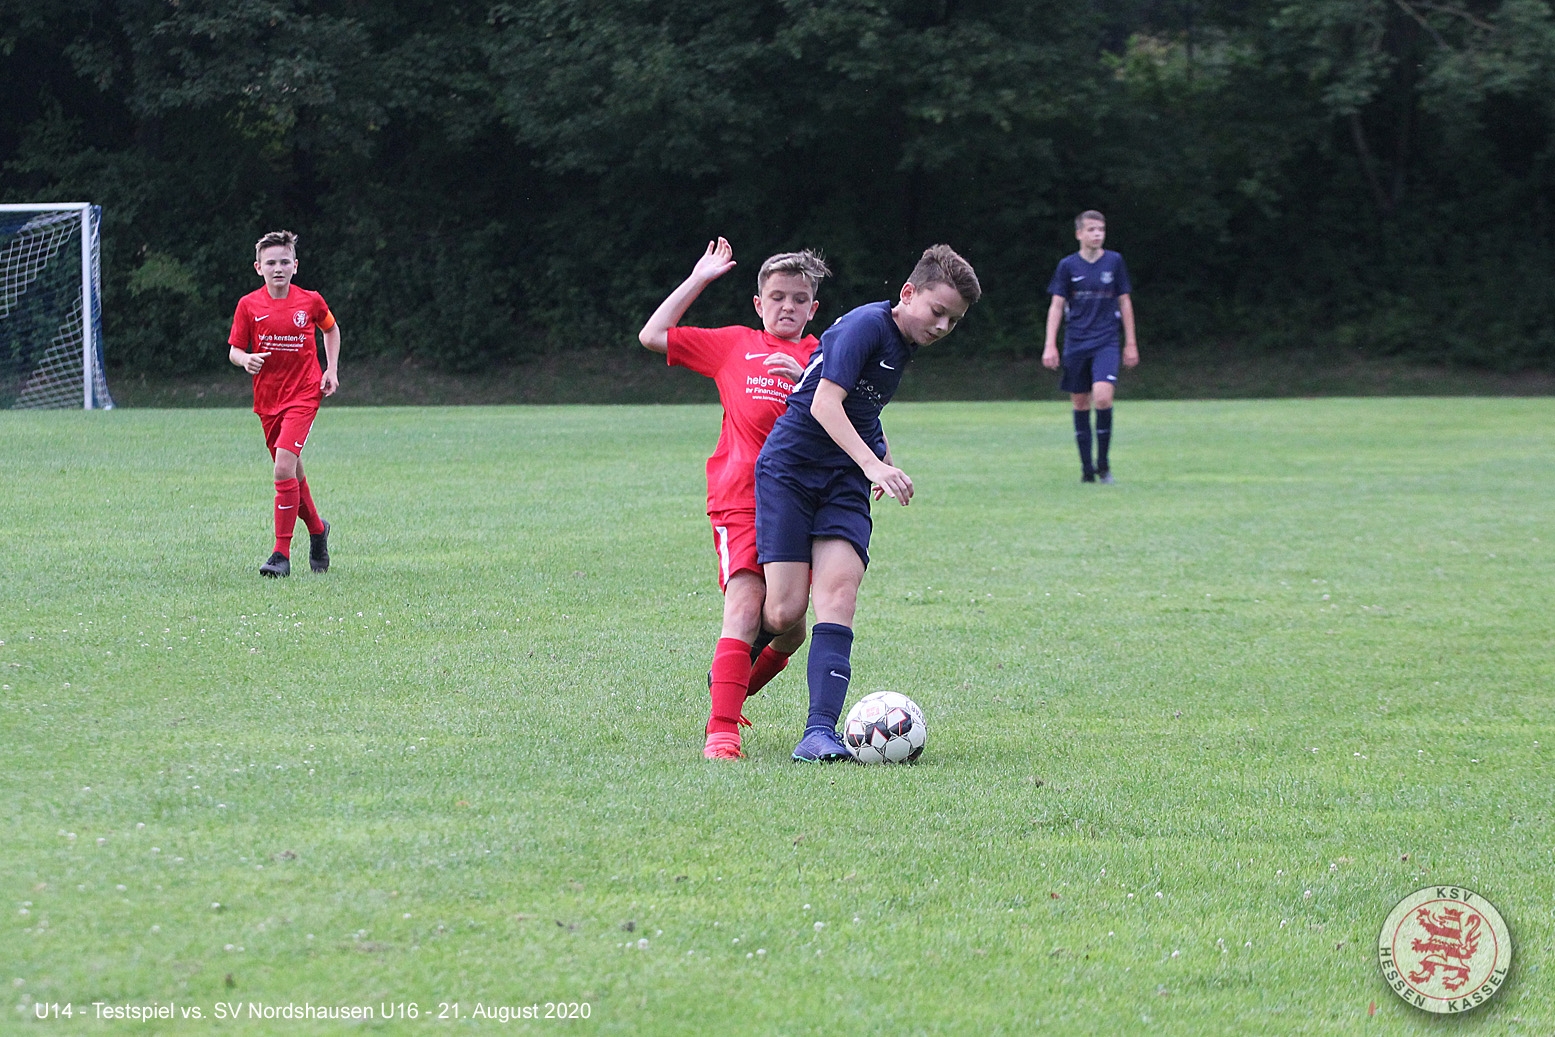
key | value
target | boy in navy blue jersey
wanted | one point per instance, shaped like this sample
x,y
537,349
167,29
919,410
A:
x,y
1090,291
815,472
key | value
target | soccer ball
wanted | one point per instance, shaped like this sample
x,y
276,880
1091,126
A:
x,y
885,727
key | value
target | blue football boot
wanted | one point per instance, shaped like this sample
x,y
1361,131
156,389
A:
x,y
821,745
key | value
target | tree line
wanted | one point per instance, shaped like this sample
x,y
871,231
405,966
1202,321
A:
x,y
477,183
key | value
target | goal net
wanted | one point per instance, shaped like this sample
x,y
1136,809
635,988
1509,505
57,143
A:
x,y
51,307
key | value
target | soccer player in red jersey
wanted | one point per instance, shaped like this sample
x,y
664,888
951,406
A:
x,y
755,371
273,339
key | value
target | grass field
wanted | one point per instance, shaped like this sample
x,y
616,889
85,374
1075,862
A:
x,y
630,374
1191,736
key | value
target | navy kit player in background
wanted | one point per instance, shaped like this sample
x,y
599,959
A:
x,y
814,474
1090,291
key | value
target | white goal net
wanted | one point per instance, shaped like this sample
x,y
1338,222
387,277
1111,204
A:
x,y
51,307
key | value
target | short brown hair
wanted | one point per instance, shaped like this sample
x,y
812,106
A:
x,y
941,265
1089,214
805,263
282,238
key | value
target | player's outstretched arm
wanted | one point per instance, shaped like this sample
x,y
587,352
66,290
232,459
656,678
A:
x,y
1055,317
1130,342
826,409
331,380
250,362
715,262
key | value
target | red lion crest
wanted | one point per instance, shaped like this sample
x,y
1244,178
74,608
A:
x,y
1449,947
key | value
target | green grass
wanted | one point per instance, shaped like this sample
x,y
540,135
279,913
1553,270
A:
x,y
630,374
1298,641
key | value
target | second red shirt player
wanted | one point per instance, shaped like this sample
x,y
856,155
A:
x,y
754,370
275,338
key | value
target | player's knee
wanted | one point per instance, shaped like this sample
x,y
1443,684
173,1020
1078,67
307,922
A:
x,y
287,465
743,610
1102,394
779,614
836,598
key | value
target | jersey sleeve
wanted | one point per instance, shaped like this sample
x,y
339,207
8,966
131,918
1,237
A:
x,y
1124,286
1059,285
241,336
321,314
702,350
847,351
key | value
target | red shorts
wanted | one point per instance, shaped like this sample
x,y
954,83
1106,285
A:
x,y
289,429
734,540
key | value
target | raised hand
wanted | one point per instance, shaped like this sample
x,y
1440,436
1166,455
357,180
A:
x,y
715,262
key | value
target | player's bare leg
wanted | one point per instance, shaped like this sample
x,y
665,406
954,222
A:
x,y
838,572
287,465
743,596
788,642
788,594
1101,393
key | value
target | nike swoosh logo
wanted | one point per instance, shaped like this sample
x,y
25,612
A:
x,y
887,366
753,356
261,317
299,445
839,676
1080,278
284,507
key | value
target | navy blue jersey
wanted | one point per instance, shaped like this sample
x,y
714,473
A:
x,y
865,354
1090,291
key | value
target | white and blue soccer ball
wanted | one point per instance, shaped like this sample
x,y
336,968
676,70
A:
x,y
885,727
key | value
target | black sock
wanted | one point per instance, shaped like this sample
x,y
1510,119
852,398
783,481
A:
x,y
1082,439
763,639
1103,437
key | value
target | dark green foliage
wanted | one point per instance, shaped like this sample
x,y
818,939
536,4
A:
x,y
481,183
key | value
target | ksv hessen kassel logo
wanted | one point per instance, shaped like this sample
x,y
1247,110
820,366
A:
x,y
1445,949
300,318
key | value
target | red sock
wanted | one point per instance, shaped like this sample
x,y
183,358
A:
x,y
767,666
731,674
285,514
305,509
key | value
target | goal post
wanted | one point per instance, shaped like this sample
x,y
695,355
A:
x,y
51,311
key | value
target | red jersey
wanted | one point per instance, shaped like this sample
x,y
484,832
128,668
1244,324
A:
x,y
753,397
284,328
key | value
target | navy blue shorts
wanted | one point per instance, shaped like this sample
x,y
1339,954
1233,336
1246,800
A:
x,y
797,504
1085,370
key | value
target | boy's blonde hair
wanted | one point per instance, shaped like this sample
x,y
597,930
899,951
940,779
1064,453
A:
x,y
806,264
276,237
941,265
1089,214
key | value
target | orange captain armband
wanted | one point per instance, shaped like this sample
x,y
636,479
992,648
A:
x,y
328,321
